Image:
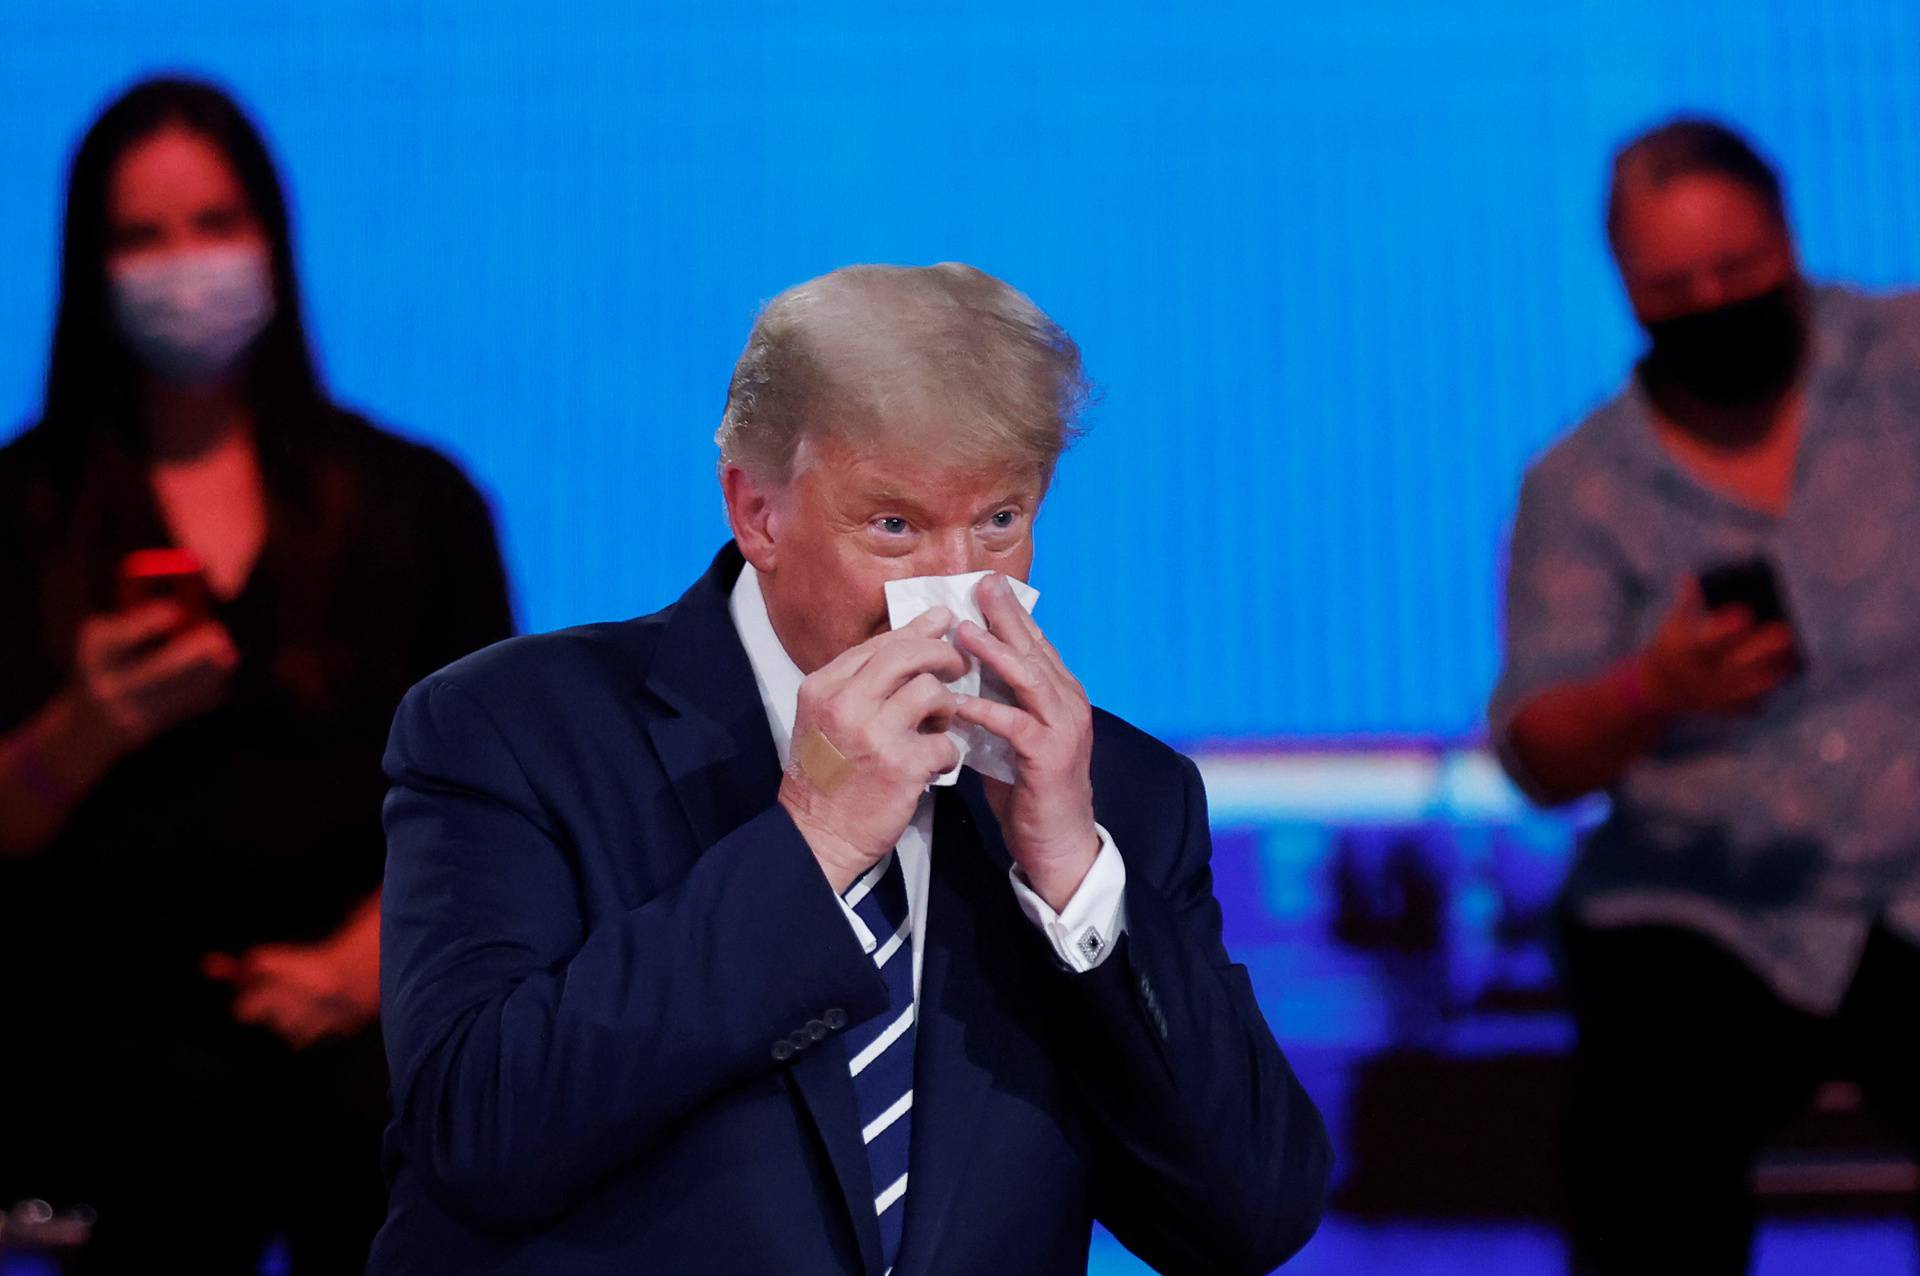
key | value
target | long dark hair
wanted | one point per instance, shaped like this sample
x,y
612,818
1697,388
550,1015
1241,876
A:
x,y
94,497
92,380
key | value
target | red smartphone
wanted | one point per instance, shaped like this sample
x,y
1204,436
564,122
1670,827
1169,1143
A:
x,y
165,575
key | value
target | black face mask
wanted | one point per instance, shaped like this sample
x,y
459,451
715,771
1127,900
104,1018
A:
x,y
1735,355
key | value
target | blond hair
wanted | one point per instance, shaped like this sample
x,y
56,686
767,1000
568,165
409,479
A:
x,y
944,360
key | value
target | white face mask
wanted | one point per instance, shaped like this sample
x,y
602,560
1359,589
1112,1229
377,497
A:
x,y
189,316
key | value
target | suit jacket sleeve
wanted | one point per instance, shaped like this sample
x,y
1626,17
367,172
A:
x,y
1211,1157
533,1055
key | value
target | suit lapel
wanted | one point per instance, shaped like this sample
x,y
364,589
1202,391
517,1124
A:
x,y
717,749
953,1057
718,755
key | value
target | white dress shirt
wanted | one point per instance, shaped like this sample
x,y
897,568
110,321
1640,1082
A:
x,y
1082,934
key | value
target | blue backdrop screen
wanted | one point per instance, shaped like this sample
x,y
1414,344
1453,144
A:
x,y
1336,266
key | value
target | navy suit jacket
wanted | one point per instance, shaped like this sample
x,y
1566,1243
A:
x,y
598,923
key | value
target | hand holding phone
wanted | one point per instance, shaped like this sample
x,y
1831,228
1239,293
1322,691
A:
x,y
1750,583
1724,657
161,659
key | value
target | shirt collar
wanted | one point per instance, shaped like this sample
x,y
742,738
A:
x,y
1834,342
774,673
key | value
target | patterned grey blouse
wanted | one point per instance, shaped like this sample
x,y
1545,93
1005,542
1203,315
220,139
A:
x,y
1785,836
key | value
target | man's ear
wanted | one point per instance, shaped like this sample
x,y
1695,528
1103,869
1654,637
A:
x,y
750,513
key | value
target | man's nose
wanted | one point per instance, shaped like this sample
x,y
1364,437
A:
x,y
953,554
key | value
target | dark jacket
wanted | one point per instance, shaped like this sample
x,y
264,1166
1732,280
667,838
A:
x,y
599,923
257,822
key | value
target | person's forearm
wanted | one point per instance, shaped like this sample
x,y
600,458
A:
x,y
1581,737
47,766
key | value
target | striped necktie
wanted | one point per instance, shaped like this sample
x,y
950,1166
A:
x,y
880,1051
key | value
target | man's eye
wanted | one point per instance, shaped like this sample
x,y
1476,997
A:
x,y
891,526
1004,518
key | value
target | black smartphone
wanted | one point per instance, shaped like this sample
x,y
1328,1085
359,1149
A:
x,y
1751,583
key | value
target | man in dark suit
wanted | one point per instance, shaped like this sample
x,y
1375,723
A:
x,y
693,962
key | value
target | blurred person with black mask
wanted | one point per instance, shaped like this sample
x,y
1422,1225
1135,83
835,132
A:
x,y
1710,619
190,787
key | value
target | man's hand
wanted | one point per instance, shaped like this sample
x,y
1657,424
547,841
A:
x,y
304,992
884,708
1715,662
1047,816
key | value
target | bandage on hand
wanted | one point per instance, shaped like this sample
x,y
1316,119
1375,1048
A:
x,y
824,766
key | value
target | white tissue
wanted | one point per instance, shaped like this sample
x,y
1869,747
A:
x,y
979,748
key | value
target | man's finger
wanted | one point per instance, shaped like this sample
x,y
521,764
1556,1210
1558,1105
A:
x,y
924,697
1026,674
1016,726
843,668
898,663
1008,620
837,671
1016,626
937,754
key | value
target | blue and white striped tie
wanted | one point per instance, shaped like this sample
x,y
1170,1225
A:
x,y
880,1051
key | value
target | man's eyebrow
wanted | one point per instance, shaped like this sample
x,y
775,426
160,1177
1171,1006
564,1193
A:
x,y
898,498
890,496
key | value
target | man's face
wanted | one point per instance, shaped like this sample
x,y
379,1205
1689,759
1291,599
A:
x,y
1697,243
826,542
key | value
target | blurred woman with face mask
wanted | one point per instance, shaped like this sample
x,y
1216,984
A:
x,y
215,584
1710,619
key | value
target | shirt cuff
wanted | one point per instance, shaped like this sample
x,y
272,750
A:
x,y
1085,931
